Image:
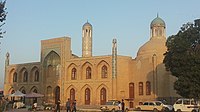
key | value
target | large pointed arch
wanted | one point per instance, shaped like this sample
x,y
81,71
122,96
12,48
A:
x,y
34,74
86,94
99,92
53,58
68,92
72,71
103,70
34,89
23,75
52,66
87,69
10,75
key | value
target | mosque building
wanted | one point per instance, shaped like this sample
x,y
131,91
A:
x,y
93,80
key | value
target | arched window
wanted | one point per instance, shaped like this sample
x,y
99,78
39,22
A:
x,y
23,98
140,88
87,96
49,97
148,88
73,74
72,94
23,91
36,79
88,73
15,77
104,72
25,78
35,90
35,99
103,96
131,90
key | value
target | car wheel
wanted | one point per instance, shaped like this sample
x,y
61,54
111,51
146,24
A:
x,y
155,110
138,108
179,110
165,109
194,111
113,110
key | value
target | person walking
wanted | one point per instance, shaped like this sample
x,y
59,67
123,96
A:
x,y
74,106
123,105
68,105
119,106
58,106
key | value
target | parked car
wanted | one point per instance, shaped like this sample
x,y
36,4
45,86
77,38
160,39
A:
x,y
154,106
185,105
111,105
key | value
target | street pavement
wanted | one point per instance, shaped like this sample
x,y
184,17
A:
x,y
26,110
82,110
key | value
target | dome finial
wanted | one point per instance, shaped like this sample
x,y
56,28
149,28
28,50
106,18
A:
x,y
157,15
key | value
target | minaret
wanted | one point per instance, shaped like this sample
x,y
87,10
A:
x,y
114,69
6,64
158,28
7,59
87,40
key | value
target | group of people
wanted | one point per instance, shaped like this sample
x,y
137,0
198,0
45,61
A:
x,y
71,107
121,106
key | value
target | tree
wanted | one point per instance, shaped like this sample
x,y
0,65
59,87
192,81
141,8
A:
x,y
3,14
182,59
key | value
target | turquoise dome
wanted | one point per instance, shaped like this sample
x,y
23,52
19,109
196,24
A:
x,y
157,22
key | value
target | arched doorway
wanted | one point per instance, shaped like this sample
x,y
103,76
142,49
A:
x,y
131,94
103,96
87,96
57,94
72,94
12,98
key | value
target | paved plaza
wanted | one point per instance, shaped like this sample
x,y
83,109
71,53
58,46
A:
x,y
26,110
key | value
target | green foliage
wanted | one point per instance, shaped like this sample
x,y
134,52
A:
x,y
183,59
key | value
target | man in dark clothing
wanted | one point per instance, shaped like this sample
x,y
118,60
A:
x,y
68,105
123,105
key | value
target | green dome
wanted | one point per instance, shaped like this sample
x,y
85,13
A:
x,y
157,22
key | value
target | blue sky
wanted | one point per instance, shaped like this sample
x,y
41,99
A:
x,y
30,21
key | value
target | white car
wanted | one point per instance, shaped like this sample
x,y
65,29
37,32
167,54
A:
x,y
154,106
185,105
111,105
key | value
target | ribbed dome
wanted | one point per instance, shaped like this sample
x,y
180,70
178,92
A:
x,y
87,24
157,22
152,46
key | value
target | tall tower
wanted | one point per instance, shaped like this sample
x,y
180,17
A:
x,y
114,58
114,69
87,40
6,64
158,28
7,59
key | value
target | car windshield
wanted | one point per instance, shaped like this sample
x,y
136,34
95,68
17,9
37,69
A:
x,y
158,103
109,103
112,103
164,102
